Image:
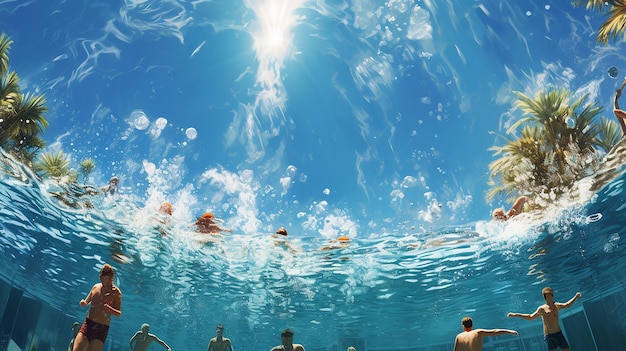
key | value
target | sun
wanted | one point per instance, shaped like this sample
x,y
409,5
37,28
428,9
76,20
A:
x,y
276,19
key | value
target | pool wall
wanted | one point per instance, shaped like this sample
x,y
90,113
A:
x,y
597,323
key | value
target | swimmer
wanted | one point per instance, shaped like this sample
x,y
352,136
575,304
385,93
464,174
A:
x,y
206,225
287,344
517,208
219,342
351,348
549,313
143,338
75,329
618,112
106,300
339,243
281,231
112,187
472,339
164,217
166,208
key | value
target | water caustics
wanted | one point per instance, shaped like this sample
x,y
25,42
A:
x,y
360,119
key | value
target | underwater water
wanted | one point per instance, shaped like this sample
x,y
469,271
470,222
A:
x,y
415,287
369,119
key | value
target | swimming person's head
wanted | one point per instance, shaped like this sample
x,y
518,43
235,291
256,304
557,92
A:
x,y
107,270
281,231
166,208
498,214
547,291
287,333
145,327
467,322
106,275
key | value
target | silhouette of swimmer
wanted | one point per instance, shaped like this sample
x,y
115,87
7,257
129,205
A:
x,y
206,225
143,338
75,329
112,187
286,337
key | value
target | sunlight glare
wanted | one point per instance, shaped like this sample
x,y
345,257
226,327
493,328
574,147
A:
x,y
272,42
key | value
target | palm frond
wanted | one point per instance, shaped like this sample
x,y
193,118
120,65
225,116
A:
x,y
5,45
54,164
609,134
615,24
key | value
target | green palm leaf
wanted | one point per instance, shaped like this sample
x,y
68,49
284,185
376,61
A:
x,y
53,164
609,134
28,118
5,45
614,25
556,146
86,166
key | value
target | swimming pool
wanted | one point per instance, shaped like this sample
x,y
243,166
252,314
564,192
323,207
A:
x,y
373,120
413,288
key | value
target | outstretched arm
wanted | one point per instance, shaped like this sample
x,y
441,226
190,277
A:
x,y
156,338
570,302
525,315
493,332
133,339
518,206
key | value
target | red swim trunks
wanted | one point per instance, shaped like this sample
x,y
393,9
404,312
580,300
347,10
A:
x,y
93,330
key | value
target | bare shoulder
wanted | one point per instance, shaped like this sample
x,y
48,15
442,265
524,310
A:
x,y
298,347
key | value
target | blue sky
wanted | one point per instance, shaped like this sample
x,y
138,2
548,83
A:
x,y
327,117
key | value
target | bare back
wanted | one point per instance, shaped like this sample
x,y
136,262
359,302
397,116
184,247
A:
x,y
468,341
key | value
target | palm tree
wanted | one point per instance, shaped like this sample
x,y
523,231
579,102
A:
x,y
5,45
86,166
28,118
610,134
615,24
556,147
21,126
53,164
28,149
22,120
521,167
9,99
